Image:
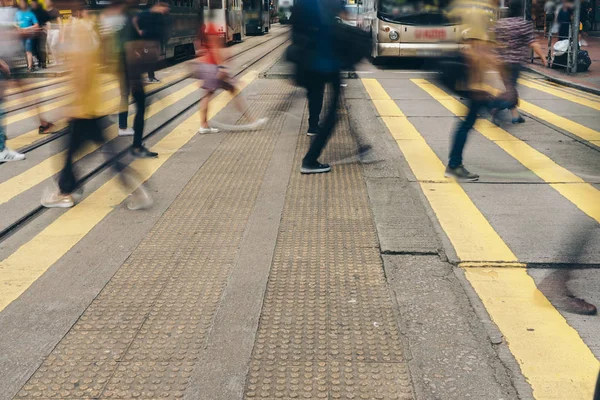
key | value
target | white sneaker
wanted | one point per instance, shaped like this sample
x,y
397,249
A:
x,y
126,132
139,199
208,129
257,124
57,200
7,155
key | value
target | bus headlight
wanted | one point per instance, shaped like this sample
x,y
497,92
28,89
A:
x,y
394,35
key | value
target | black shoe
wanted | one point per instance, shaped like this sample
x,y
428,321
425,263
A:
x,y
460,173
142,152
315,168
45,129
314,131
518,120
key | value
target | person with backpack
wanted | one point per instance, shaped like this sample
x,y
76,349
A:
x,y
514,36
312,51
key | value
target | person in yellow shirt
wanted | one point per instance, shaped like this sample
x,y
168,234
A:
x,y
476,19
85,112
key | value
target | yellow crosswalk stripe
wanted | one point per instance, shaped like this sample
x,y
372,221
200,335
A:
x,y
50,166
585,196
30,261
38,96
561,94
36,85
109,106
472,236
566,89
552,356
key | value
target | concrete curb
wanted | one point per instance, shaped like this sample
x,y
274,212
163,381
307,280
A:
x,y
563,82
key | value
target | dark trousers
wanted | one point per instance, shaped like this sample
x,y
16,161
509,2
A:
x,y
462,131
39,48
315,87
131,82
510,75
82,131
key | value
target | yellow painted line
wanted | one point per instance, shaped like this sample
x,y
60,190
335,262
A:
x,y
561,94
583,195
32,136
472,236
36,85
37,96
30,261
52,165
552,356
560,87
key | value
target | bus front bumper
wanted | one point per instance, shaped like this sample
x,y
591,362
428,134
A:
x,y
415,49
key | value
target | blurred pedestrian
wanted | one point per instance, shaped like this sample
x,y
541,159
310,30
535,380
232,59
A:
x,y
585,19
135,56
549,9
515,36
85,112
211,69
564,14
312,51
150,25
55,31
40,40
27,25
479,57
6,154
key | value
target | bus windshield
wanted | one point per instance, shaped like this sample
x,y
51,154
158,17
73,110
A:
x,y
414,12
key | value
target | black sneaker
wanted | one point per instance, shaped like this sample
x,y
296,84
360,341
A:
x,y
142,152
518,120
315,168
314,131
460,173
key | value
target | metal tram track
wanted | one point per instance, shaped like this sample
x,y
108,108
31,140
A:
x,y
37,211
58,134
60,80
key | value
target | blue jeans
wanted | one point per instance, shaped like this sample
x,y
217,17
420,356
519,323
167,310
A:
x,y
462,130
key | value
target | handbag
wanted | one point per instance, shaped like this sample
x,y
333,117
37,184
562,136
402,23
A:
x,y
141,54
351,44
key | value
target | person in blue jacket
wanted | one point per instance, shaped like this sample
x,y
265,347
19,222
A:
x,y
27,24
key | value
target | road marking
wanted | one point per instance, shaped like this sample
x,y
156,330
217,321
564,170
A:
x,y
31,86
560,87
472,236
583,195
52,165
561,94
31,260
552,356
67,99
37,96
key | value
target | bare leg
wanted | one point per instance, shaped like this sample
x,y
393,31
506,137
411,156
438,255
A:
x,y
204,110
29,60
240,103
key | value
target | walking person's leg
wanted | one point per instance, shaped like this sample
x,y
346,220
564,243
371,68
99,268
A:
x,y
139,97
310,163
314,93
203,111
125,89
42,51
6,154
28,44
455,168
79,129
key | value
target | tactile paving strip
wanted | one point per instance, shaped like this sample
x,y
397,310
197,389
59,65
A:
x,y
141,337
327,328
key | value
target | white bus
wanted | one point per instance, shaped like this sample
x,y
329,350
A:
x,y
408,28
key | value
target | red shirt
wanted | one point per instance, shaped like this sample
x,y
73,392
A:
x,y
212,35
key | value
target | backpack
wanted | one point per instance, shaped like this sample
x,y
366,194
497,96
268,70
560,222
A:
x,y
583,61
